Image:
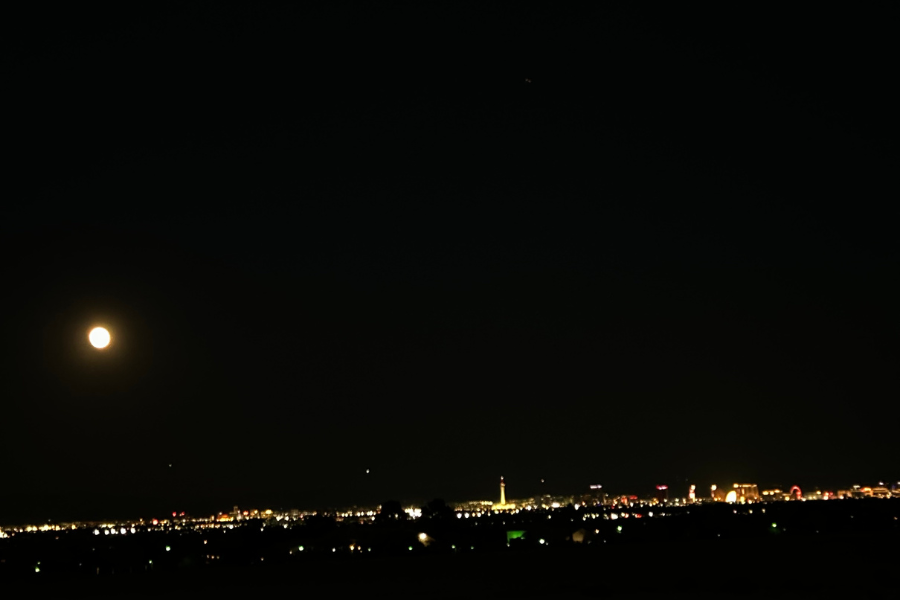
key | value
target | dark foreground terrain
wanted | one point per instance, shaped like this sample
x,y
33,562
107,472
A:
x,y
802,549
862,566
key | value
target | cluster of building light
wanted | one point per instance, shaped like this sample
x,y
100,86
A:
x,y
113,530
737,493
616,507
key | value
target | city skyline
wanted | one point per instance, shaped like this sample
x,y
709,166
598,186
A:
x,y
594,494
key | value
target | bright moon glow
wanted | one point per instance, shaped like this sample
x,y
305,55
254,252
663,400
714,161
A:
x,y
99,337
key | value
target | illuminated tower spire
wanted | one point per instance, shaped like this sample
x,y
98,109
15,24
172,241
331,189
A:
x,y
502,505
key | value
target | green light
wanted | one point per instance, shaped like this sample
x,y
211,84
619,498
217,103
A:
x,y
514,535
774,525
619,529
168,548
300,548
410,547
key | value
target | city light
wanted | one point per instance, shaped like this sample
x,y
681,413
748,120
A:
x,y
592,507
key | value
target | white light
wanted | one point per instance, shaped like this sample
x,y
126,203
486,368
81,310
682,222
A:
x,y
542,541
99,337
422,537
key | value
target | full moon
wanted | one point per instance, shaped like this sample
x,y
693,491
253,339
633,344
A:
x,y
99,337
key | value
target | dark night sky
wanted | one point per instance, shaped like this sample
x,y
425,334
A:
x,y
332,240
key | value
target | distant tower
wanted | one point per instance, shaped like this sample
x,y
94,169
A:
x,y
502,505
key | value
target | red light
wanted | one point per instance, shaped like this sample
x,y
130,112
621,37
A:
x,y
174,514
155,522
638,515
182,513
662,487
